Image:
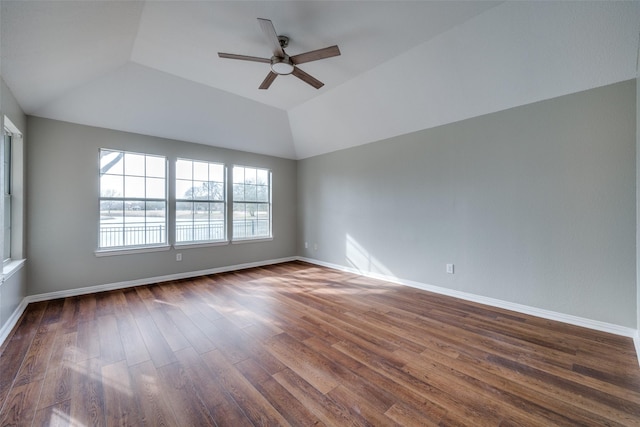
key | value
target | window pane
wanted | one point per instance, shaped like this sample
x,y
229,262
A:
x,y
7,164
134,164
200,190
216,172
155,188
111,186
238,192
200,171
134,187
238,174
184,189
249,176
216,191
184,169
111,162
111,224
7,227
250,193
155,222
262,177
262,193
156,166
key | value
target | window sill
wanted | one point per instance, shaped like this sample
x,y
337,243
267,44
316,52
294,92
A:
x,y
187,245
256,240
11,268
128,251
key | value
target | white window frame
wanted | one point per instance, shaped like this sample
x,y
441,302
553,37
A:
x,y
125,248
235,235
208,200
16,261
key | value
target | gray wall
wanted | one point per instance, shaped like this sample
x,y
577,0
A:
x,y
13,290
62,195
534,205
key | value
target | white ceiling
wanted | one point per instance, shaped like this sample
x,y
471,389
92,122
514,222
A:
x,y
152,67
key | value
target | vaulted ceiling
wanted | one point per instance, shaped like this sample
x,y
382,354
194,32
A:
x,y
152,67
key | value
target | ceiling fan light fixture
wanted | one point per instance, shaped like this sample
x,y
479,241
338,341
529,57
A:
x,y
282,66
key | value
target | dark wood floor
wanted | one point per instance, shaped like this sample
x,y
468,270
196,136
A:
x,y
296,344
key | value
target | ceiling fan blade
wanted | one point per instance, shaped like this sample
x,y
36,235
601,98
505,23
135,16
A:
x,y
272,37
268,80
307,78
243,57
315,55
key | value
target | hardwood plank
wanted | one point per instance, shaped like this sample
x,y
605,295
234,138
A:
x,y
182,397
53,312
135,305
207,385
111,349
316,369
21,404
69,317
58,415
87,308
158,348
190,331
153,402
36,360
324,407
121,407
292,409
87,401
87,340
172,335
253,404
57,383
131,338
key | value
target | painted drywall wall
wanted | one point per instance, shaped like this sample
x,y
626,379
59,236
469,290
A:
x,y
63,184
533,205
14,289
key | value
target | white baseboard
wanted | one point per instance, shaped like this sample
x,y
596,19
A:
x,y
12,320
520,308
150,280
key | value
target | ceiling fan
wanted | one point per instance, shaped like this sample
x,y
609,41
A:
x,y
281,63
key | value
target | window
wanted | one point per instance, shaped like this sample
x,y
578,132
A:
x,y
251,203
133,200
6,163
200,202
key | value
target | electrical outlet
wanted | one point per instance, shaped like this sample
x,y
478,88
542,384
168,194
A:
x,y
178,257
306,245
450,268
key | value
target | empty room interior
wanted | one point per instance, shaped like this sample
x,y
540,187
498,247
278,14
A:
x,y
358,213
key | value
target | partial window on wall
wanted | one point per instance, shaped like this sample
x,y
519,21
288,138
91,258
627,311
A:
x,y
6,164
200,202
251,203
133,200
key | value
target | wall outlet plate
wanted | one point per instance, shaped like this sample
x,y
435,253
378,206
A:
x,y
450,268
